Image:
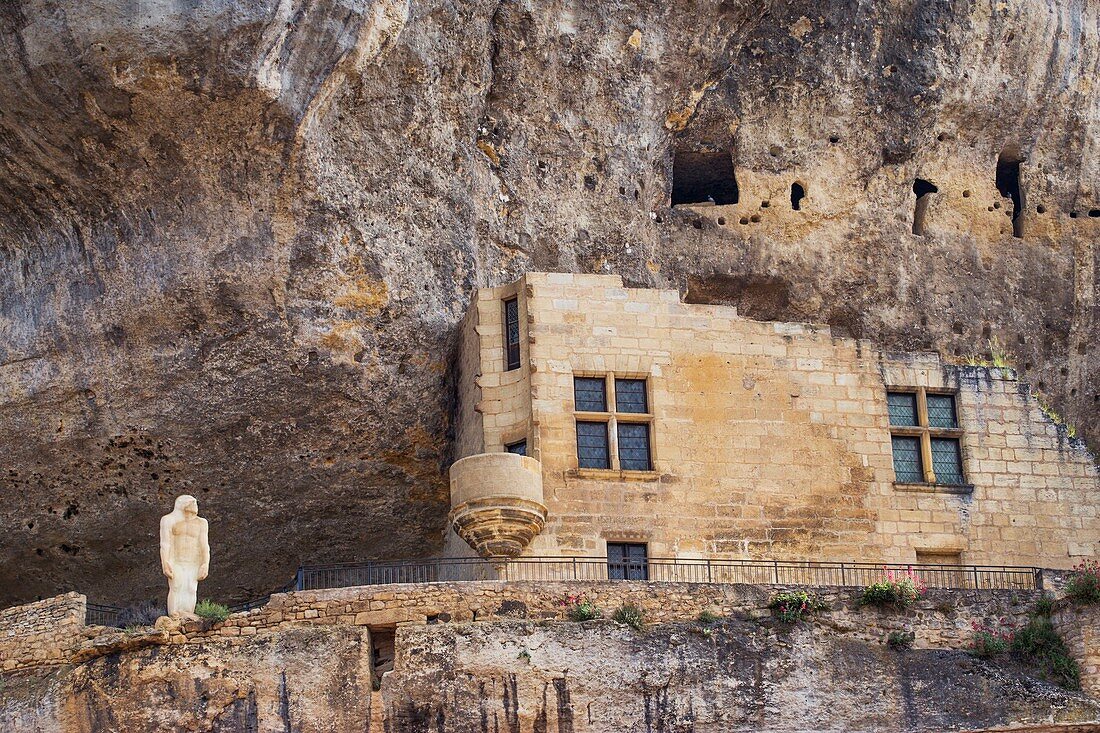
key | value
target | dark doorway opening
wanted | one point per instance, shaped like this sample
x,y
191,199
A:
x,y
627,561
924,190
699,178
382,651
797,194
1008,183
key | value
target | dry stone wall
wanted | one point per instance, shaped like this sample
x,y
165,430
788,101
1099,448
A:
x,y
1080,629
41,633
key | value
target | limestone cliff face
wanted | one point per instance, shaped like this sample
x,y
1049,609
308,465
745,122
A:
x,y
235,237
307,680
525,676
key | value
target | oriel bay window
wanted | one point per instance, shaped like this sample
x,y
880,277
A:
x,y
613,423
926,439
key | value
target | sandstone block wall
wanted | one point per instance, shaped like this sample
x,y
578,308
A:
x,y
41,633
1080,629
773,439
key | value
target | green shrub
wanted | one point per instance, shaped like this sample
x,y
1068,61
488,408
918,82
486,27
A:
x,y
794,606
1039,645
901,639
989,640
1083,585
1045,605
580,608
630,615
211,611
896,589
706,618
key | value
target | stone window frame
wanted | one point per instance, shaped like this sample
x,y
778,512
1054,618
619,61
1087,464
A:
x,y
925,433
612,417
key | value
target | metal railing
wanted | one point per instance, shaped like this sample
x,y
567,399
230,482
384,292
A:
x,y
663,570
781,572
98,614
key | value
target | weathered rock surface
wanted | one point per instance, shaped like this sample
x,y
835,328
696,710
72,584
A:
x,y
525,676
235,237
309,679
602,676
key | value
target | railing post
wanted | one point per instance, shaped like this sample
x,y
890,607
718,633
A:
x,y
775,565
710,578
574,568
976,586
843,576
1038,578
298,579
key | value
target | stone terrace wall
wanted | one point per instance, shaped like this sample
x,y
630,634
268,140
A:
x,y
942,619
1080,629
53,631
41,633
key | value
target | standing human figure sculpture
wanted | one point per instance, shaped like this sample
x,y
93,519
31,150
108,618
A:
x,y
184,555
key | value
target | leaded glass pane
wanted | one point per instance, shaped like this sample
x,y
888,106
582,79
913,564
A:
x,y
630,395
627,561
634,446
519,448
511,334
903,408
907,465
947,461
590,394
941,411
592,451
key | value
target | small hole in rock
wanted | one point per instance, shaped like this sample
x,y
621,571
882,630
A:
x,y
1040,209
754,218
966,194
1094,213
834,139
797,194
1073,215
1008,183
744,220
721,221
698,223
701,177
765,204
924,190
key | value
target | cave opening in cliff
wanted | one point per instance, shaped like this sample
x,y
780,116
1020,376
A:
x,y
1008,183
924,190
703,177
798,192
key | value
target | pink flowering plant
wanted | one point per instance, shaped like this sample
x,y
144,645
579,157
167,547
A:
x,y
580,607
1083,585
899,589
793,606
990,639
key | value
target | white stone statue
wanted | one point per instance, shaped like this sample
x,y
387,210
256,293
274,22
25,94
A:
x,y
184,555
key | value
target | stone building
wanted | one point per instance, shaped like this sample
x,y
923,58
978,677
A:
x,y
596,420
